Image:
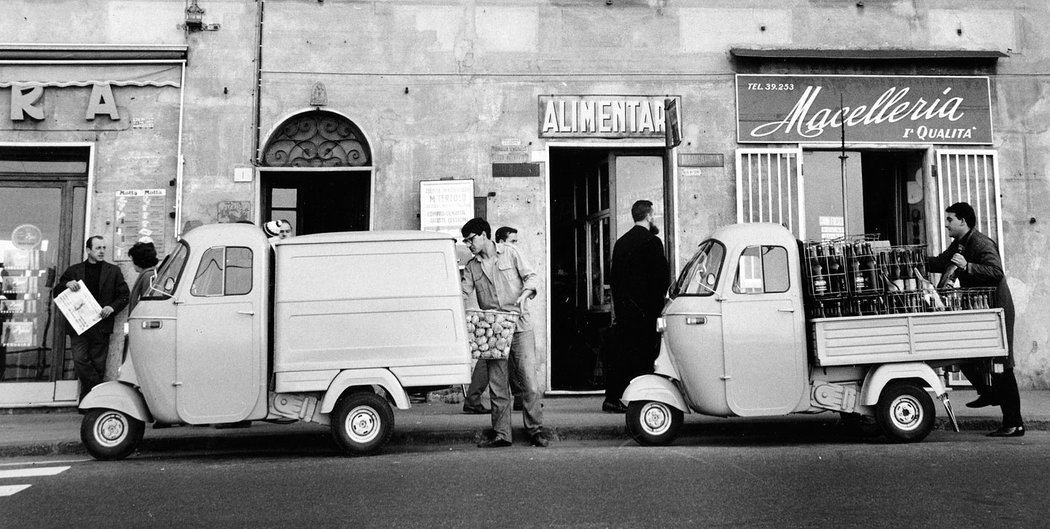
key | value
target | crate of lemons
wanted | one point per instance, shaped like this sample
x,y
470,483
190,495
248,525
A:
x,y
490,333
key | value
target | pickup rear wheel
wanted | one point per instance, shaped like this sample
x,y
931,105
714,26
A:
x,y
362,422
653,423
905,412
110,434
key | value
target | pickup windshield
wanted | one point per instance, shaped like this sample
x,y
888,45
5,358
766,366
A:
x,y
168,275
701,274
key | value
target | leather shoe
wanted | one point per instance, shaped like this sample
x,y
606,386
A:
x,y
613,407
1008,431
540,439
476,410
494,443
982,401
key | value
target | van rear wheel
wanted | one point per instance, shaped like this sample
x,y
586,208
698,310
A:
x,y
362,422
653,423
110,434
905,412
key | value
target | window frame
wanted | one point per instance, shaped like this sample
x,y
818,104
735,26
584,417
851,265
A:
x,y
225,270
763,262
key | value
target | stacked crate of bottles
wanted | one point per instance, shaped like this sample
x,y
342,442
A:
x,y
843,277
863,276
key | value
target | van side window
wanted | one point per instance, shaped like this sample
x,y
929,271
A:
x,y
238,271
762,270
208,281
223,272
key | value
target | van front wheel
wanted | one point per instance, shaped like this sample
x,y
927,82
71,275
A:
x,y
110,434
653,423
362,422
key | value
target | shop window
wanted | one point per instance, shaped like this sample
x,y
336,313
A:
x,y
762,270
223,272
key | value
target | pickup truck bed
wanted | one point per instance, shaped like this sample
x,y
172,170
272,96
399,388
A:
x,y
909,337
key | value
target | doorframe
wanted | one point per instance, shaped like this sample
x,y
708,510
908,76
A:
x,y
592,144
62,392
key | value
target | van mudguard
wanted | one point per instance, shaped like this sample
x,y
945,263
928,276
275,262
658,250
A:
x,y
655,388
364,377
117,396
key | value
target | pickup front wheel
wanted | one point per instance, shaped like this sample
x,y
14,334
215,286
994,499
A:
x,y
905,412
653,423
362,422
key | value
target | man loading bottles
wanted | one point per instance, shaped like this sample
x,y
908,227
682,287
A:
x,y
974,258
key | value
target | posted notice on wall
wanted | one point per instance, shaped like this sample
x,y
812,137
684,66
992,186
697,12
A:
x,y
80,308
141,215
445,205
832,228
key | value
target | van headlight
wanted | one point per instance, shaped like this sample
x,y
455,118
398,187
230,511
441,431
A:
x,y
661,324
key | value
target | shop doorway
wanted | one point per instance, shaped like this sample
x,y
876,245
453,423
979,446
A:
x,y
885,195
318,202
43,202
591,193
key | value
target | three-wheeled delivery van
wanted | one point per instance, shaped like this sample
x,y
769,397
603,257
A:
x,y
331,329
737,341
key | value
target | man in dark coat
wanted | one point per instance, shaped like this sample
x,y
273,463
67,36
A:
x,y
974,259
106,283
640,277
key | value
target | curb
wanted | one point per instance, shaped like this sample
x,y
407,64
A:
x,y
320,441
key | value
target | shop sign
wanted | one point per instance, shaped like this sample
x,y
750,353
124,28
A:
x,y
445,205
868,108
602,116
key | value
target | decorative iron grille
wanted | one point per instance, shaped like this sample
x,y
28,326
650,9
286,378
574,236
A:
x,y
317,139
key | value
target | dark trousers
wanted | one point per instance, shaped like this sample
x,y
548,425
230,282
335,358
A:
x,y
1003,390
631,348
90,351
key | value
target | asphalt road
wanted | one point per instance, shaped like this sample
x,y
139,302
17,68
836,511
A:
x,y
750,479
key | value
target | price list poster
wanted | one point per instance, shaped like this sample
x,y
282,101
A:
x,y
141,214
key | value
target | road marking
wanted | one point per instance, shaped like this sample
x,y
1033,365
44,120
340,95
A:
x,y
8,490
30,472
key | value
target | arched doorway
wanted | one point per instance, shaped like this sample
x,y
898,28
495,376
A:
x,y
317,174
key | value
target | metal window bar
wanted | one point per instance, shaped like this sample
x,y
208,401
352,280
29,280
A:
x,y
971,176
769,187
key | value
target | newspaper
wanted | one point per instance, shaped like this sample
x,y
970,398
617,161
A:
x,y
80,308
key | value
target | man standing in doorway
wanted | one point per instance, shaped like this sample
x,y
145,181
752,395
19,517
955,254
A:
x,y
640,277
106,283
504,281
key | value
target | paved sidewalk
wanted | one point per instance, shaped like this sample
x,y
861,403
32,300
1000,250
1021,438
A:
x,y
41,432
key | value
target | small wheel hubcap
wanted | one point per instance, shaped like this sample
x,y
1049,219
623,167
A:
x,y
362,424
656,418
906,412
111,428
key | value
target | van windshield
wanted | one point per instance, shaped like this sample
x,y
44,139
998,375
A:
x,y
700,275
168,274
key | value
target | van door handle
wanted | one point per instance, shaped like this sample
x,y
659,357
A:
x,y
700,320
246,312
786,310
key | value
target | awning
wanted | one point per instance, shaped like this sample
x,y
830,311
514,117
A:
x,y
866,54
92,52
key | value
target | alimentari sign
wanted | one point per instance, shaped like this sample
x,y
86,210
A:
x,y
602,116
872,108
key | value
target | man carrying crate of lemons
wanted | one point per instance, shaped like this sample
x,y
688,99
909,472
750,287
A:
x,y
503,282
